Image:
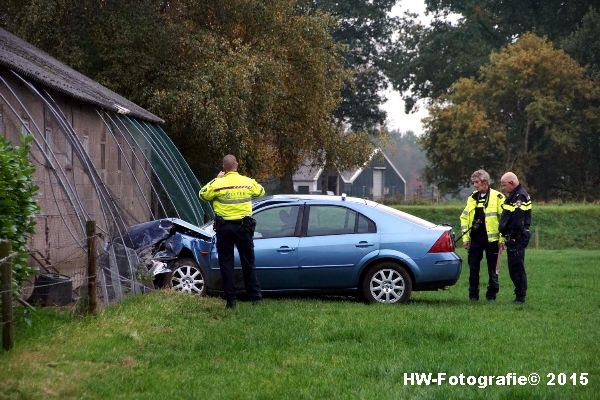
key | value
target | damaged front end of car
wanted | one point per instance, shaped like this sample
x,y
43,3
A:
x,y
172,251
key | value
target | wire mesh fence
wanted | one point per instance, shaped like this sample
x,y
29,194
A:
x,y
94,164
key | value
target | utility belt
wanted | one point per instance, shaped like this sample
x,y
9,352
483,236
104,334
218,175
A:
x,y
518,239
247,222
518,235
220,220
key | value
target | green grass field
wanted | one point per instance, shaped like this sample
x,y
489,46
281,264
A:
x,y
167,345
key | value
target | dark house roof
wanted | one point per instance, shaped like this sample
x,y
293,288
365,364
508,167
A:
x,y
307,172
33,63
349,176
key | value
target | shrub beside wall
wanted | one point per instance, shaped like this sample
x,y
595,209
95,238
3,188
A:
x,y
17,204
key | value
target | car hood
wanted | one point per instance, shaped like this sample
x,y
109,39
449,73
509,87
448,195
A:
x,y
152,232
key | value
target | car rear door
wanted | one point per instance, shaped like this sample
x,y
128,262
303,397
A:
x,y
336,239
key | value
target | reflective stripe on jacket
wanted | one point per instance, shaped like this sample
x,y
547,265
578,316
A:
x,y
232,195
492,216
517,212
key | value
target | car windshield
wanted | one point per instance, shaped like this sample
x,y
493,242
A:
x,y
405,216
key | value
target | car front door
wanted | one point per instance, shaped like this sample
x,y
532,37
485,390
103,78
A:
x,y
276,246
337,239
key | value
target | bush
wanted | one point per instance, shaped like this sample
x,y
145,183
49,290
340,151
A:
x,y
17,204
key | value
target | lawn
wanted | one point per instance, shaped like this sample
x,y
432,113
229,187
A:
x,y
167,345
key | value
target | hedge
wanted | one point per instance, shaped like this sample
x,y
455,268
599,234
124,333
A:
x,y
554,226
17,204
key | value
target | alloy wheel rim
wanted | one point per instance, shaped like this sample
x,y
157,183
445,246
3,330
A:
x,y
188,279
387,286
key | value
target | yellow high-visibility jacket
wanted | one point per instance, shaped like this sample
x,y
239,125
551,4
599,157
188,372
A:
x,y
232,195
492,215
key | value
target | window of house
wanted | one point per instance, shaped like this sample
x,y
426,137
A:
x,y
2,129
48,144
85,143
103,149
25,126
102,155
69,155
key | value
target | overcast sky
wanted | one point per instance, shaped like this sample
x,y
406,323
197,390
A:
x,y
396,118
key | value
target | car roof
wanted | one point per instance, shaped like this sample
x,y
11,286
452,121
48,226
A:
x,y
315,197
328,199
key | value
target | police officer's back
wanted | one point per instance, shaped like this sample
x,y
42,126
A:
x,y
231,195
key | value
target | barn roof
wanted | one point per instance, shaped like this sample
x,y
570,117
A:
x,y
38,66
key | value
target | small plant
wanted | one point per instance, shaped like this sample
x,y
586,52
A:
x,y
143,276
18,205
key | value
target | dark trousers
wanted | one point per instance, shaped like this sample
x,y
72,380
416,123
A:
x,y
516,269
230,234
476,249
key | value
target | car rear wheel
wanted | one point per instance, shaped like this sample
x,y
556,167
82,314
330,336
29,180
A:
x,y
188,277
388,283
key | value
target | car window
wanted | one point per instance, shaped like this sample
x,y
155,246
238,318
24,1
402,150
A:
x,y
331,220
262,203
365,225
276,222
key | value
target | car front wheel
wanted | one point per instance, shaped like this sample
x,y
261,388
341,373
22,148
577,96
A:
x,y
387,283
188,277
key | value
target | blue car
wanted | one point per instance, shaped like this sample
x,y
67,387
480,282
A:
x,y
312,243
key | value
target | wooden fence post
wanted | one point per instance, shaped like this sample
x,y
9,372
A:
x,y
6,290
90,230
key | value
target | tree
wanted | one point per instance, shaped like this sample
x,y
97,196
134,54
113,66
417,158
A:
x,y
427,60
266,90
365,28
257,79
527,112
126,45
584,43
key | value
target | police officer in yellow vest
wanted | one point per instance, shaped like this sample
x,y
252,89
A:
x,y
479,224
231,195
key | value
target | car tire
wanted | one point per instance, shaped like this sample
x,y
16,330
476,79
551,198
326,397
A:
x,y
188,277
387,282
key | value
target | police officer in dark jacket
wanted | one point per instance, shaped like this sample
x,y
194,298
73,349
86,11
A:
x,y
514,226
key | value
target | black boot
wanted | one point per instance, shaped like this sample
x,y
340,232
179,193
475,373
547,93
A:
x,y
231,303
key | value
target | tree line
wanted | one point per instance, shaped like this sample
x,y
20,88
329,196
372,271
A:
x,y
509,85
273,82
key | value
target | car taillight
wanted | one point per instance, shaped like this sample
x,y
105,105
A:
x,y
443,245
